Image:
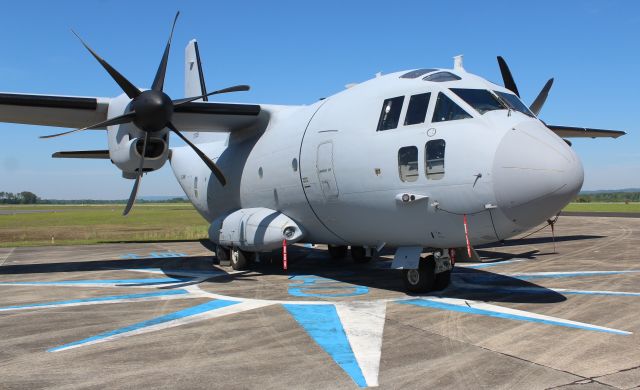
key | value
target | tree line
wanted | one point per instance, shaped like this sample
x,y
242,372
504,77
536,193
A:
x,y
624,197
24,197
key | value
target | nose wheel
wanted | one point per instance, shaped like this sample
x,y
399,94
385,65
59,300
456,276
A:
x,y
423,279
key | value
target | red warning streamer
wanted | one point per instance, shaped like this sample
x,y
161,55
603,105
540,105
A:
x,y
284,254
466,235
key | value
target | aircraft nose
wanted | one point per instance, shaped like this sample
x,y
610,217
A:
x,y
535,174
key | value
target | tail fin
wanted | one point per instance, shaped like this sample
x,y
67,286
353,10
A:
x,y
193,77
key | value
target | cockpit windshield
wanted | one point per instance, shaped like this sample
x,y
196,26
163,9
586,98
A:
x,y
480,99
514,102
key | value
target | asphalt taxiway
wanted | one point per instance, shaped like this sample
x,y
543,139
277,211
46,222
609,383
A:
x,y
160,315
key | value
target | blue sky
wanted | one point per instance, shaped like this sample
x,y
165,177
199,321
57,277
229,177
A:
x,y
296,52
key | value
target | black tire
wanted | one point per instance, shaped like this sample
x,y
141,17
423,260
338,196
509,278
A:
x,y
223,254
421,280
338,251
241,261
359,254
443,279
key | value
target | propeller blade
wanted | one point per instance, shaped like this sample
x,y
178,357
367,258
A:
x,y
537,104
131,90
214,168
134,190
235,88
126,118
507,78
158,81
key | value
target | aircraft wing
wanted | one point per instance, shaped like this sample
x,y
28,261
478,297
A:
x,y
583,132
215,117
49,110
78,112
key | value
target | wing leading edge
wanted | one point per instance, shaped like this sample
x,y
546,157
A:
x,y
584,132
78,112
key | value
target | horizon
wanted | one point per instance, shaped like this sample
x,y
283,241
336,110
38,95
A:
x,y
322,60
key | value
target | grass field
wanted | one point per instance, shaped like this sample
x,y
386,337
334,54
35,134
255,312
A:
x,y
92,224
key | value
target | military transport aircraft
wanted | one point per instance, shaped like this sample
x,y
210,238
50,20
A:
x,y
425,160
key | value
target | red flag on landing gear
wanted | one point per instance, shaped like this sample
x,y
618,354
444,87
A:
x,y
466,235
284,254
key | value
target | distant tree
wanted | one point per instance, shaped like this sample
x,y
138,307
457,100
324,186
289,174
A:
x,y
27,197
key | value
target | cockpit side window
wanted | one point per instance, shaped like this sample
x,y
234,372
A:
x,y
434,159
480,99
417,110
447,110
514,103
408,163
390,115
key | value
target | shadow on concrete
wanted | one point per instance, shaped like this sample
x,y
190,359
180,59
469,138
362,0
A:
x,y
467,283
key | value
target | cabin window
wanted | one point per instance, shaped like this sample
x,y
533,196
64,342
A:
x,y
514,103
480,99
417,111
434,158
390,115
447,110
408,163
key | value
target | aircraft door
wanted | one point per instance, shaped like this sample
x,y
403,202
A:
x,y
326,176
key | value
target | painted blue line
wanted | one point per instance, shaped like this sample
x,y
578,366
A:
x,y
322,323
105,281
98,299
205,307
584,292
300,291
507,290
566,275
484,312
178,272
493,263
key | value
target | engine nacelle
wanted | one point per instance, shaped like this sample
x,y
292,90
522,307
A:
x,y
254,229
125,143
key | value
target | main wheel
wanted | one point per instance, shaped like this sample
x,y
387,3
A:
x,y
443,279
240,260
222,253
420,280
359,254
338,251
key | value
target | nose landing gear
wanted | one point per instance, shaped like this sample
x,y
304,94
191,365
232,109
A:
x,y
433,274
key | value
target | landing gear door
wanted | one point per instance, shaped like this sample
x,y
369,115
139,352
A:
x,y
326,176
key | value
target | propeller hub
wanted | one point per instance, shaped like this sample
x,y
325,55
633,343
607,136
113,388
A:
x,y
154,110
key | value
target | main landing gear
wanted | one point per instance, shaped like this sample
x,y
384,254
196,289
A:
x,y
433,274
359,254
239,260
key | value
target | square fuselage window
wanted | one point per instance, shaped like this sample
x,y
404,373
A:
x,y
434,158
408,163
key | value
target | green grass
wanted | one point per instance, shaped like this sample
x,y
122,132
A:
x,y
604,207
92,224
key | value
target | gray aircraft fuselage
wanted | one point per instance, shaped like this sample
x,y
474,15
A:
x,y
327,167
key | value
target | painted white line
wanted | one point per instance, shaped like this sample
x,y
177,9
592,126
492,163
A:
x,y
504,312
6,256
98,302
233,309
363,323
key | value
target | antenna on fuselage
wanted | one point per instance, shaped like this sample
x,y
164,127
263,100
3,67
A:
x,y
457,63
